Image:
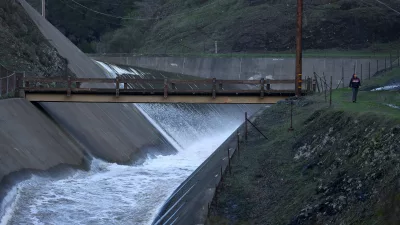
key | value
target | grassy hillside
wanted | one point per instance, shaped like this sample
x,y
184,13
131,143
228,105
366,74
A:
x,y
256,26
251,26
340,165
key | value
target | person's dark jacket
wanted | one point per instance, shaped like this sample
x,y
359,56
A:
x,y
355,82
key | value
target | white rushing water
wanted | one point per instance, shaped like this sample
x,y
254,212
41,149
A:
x,y
388,88
126,194
118,194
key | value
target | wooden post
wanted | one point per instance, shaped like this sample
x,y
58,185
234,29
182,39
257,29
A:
x,y
262,88
117,86
165,88
299,47
330,97
342,76
268,84
69,86
314,85
214,88
238,143
291,116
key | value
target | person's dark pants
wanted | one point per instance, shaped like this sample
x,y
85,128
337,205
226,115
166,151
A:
x,y
355,92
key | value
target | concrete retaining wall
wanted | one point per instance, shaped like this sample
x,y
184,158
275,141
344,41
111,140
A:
x,y
113,132
30,140
245,68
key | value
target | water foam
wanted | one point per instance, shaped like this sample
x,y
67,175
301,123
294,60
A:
x,y
123,194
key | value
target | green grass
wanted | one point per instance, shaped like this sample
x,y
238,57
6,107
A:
x,y
368,101
268,185
328,53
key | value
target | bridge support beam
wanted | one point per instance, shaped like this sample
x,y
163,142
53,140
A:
x,y
90,98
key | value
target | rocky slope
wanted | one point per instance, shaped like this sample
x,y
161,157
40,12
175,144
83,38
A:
x,y
23,47
339,166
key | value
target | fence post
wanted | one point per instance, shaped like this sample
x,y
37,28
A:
x,y
69,86
369,70
330,97
314,85
391,62
238,143
7,85
385,66
214,87
342,75
117,86
165,88
229,162
262,88
361,73
245,126
291,116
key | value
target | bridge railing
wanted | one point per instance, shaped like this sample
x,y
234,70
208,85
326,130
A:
x,y
122,86
8,82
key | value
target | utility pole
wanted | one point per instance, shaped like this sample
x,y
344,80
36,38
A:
x,y
44,8
299,50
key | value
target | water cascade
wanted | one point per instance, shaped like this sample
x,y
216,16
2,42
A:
x,y
127,194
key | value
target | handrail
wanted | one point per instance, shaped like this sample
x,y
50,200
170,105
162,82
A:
x,y
174,81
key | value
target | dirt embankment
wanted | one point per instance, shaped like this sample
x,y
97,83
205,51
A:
x,y
336,167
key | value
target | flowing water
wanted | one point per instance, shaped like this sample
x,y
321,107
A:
x,y
127,194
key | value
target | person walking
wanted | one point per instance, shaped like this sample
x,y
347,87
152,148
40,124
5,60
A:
x,y
355,83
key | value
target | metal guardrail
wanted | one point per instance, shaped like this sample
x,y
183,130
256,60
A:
x,y
163,87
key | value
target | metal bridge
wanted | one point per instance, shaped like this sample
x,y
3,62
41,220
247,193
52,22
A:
x,y
130,90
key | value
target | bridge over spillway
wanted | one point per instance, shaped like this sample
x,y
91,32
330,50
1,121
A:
x,y
129,90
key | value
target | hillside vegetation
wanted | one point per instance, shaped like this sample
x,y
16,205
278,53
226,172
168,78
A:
x,y
340,165
22,45
176,26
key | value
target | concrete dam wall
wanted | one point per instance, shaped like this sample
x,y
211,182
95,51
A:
x,y
254,68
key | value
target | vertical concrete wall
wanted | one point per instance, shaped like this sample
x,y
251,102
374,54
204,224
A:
x,y
245,68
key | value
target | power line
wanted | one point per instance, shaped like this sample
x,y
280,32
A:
x,y
387,6
140,19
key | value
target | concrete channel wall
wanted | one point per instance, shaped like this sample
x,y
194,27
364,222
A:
x,y
30,140
113,132
248,68
190,201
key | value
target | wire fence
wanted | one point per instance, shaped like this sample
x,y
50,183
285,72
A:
x,y
208,176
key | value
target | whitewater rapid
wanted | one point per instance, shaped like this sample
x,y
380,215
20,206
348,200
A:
x,y
126,194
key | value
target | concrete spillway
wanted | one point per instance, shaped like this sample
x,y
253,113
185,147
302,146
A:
x,y
128,194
